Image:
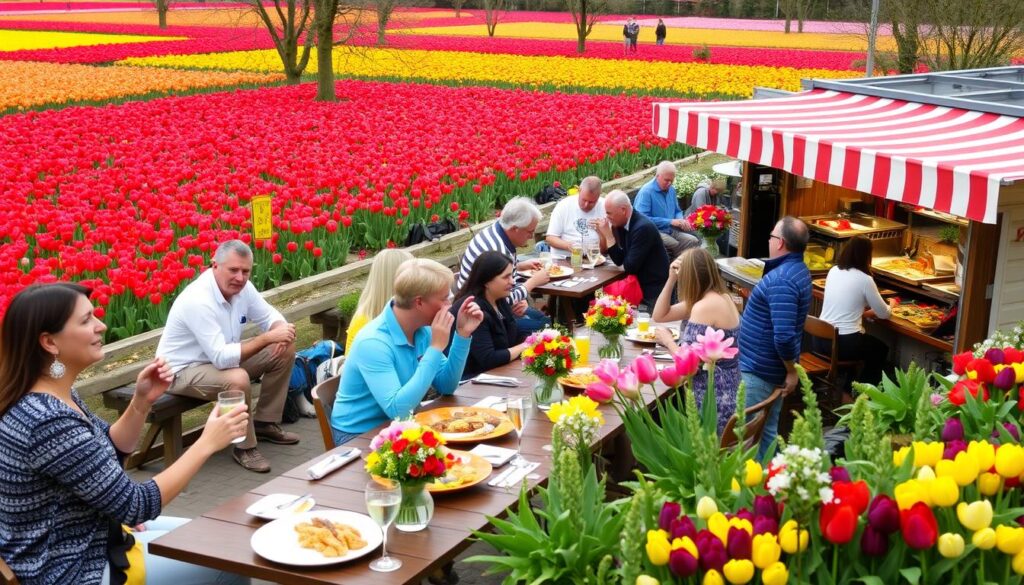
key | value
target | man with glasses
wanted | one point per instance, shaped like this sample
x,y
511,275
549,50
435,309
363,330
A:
x,y
773,322
658,201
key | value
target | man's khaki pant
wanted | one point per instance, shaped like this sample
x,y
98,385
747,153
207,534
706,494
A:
x,y
205,381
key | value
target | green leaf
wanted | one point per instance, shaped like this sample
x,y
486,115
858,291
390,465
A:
x,y
911,574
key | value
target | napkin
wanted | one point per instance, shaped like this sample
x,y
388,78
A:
x,y
496,456
496,380
493,402
513,476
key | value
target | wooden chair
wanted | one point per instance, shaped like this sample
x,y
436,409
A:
x,y
324,394
826,368
7,575
757,417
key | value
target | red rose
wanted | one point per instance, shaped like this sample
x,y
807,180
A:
x,y
399,445
549,371
609,312
414,470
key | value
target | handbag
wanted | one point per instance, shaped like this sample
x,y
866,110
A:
x,y
125,556
627,288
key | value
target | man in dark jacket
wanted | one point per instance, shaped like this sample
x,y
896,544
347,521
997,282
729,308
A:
x,y
660,32
634,243
773,322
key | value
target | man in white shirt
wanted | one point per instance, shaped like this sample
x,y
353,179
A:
x,y
574,218
202,342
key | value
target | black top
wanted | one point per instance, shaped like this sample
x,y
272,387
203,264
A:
x,y
640,252
491,340
660,31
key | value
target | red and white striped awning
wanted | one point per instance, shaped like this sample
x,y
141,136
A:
x,y
941,158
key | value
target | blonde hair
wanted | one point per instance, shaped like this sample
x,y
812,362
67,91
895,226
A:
x,y
698,274
420,277
380,285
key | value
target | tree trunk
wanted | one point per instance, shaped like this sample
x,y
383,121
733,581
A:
x,y
292,77
161,11
325,67
788,21
581,28
380,34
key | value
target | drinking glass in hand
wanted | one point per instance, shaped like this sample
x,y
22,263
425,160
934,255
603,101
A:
x,y
518,410
226,402
382,502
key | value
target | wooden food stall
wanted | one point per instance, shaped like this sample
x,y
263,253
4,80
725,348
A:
x,y
923,165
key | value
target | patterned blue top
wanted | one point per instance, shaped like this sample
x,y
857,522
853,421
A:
x,y
60,482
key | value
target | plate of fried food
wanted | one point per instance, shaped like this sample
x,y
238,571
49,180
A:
x,y
577,379
316,538
648,337
469,469
555,272
465,423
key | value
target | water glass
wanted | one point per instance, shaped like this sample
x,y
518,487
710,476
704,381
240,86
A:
x,y
383,499
518,410
545,260
226,402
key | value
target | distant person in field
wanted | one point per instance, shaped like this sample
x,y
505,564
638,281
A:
x,y
660,32
630,34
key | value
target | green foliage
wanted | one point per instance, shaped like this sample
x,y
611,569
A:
x,y
807,427
347,304
869,449
949,234
631,563
702,53
895,403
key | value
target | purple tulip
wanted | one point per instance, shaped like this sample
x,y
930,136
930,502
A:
x,y
995,356
766,506
681,527
1010,428
884,514
874,543
740,544
669,512
710,551
744,514
954,447
765,525
953,430
682,563
839,474
1005,379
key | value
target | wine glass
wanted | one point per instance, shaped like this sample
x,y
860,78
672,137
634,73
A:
x,y
518,410
382,501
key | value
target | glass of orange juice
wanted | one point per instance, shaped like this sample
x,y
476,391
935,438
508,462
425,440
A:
x,y
582,342
643,322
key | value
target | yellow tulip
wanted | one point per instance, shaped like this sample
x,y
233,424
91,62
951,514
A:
x,y
1010,460
900,455
965,467
706,506
951,545
658,547
943,492
739,571
685,543
765,550
718,524
790,540
984,452
647,580
754,473
925,474
985,539
742,524
1018,370
775,574
989,483
927,453
1018,563
734,487
976,515
911,492
1009,539
713,577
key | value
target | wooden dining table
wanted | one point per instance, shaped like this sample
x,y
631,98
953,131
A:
x,y
220,538
558,294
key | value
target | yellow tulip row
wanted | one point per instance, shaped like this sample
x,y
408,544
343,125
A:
x,y
18,40
531,71
679,36
26,84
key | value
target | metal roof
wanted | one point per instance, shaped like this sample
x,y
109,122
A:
x,y
998,90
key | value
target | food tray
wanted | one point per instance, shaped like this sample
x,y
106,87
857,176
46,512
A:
x,y
742,269
869,226
905,277
948,290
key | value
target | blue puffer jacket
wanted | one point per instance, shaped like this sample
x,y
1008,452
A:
x,y
773,320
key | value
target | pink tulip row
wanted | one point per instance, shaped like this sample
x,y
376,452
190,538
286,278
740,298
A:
x,y
8,7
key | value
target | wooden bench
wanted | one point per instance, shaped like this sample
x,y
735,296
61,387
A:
x,y
164,419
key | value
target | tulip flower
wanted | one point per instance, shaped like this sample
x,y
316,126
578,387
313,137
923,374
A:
x,y
927,454
711,550
718,525
976,515
765,550
687,361
838,523
873,542
713,577
1005,379
600,392
953,430
766,506
919,528
658,547
989,483
681,527
669,512
963,469
791,540
645,369
738,571
1017,564
670,377
712,346
981,369
855,494
775,574
951,545
765,525
911,492
628,384
957,394
706,507
838,473
984,452
738,543
753,473
984,539
943,492
607,371
682,561
1009,539
953,448
1010,460
646,580
884,514
960,362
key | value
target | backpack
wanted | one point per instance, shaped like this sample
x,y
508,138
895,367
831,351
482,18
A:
x,y
548,194
423,231
304,374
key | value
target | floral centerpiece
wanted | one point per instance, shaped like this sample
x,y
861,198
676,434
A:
x,y
549,355
414,456
576,422
610,316
710,222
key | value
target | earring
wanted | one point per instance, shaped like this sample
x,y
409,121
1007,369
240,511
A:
x,y
57,369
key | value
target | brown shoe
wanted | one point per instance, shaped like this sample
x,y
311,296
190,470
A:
x,y
251,459
273,433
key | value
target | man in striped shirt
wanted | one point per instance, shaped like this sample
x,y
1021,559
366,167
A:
x,y
514,229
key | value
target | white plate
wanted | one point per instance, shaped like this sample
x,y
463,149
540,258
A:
x,y
266,507
278,541
632,334
566,272
484,430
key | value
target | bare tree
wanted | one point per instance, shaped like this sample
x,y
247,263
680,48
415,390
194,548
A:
x,y
493,11
585,14
798,9
162,6
288,21
384,9
457,5
331,16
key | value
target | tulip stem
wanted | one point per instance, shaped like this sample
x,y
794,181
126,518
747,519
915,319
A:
x,y
924,566
981,568
835,563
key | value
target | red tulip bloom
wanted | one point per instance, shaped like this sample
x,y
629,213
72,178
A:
x,y
854,494
957,394
838,523
919,528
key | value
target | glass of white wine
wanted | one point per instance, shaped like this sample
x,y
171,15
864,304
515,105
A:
x,y
518,410
382,501
226,402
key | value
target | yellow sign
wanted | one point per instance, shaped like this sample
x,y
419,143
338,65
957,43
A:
x,y
262,229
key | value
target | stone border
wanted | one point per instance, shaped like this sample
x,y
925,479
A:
x,y
302,298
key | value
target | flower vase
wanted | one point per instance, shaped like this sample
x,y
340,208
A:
x,y
416,509
612,349
547,392
710,243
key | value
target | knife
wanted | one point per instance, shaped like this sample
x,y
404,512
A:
x,y
497,481
517,475
283,506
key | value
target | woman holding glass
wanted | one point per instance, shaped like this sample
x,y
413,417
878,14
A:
x,y
497,340
63,492
703,302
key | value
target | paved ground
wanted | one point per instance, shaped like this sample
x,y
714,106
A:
x,y
221,478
